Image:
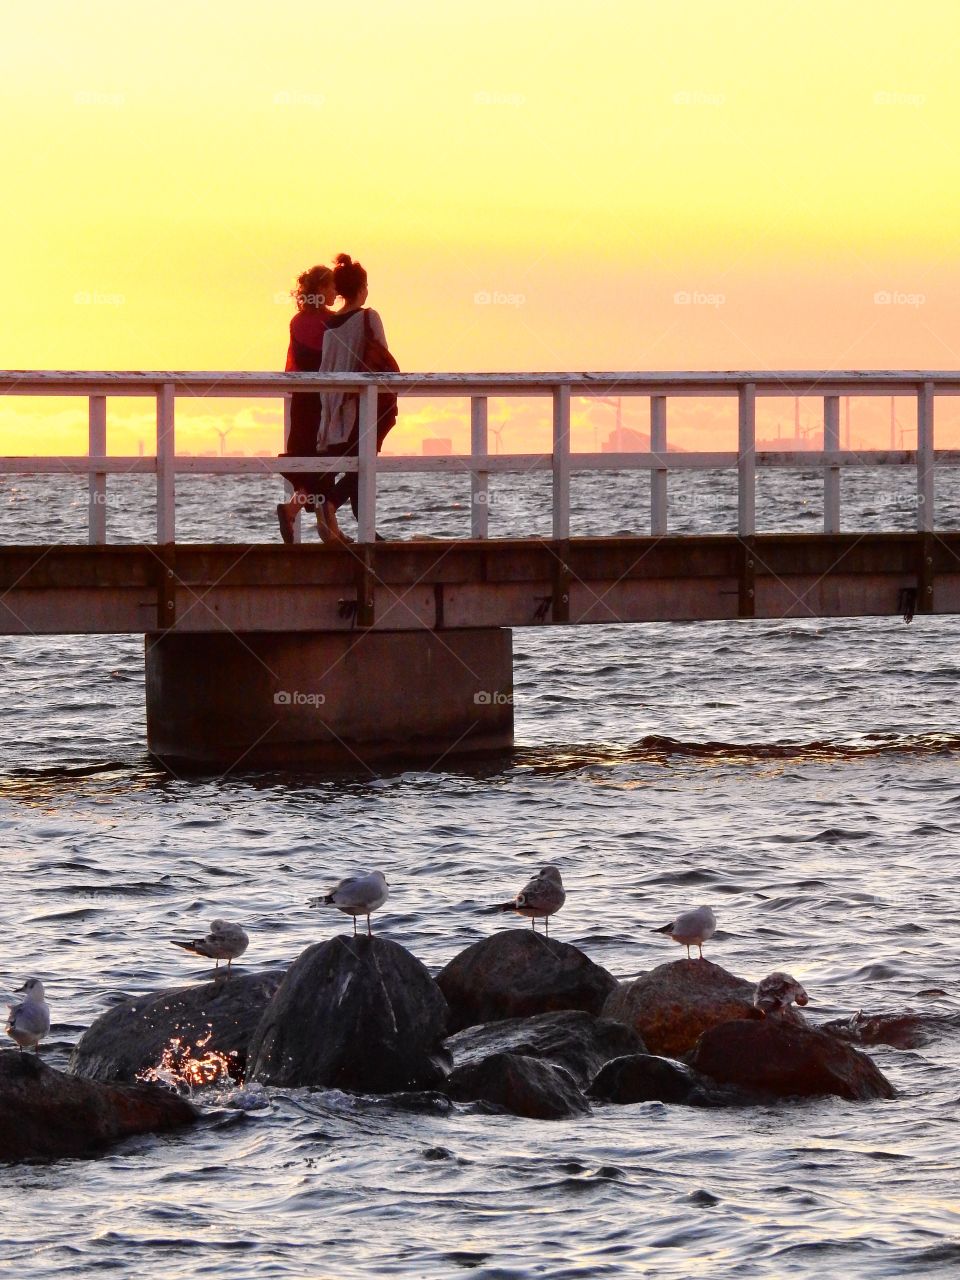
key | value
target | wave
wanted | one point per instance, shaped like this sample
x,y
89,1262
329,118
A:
x,y
657,748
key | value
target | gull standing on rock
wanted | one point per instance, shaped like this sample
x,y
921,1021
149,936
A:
x,y
540,897
29,1021
777,992
356,896
692,928
225,941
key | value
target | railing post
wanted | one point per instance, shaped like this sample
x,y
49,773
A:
x,y
479,480
831,469
561,462
925,459
287,486
747,461
166,459
658,477
367,466
97,481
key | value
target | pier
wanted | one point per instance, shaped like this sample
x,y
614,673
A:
x,y
327,655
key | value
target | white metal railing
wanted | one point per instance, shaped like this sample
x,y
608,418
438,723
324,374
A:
x,y
166,465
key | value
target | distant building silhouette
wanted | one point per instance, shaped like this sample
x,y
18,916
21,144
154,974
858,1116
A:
x,y
625,440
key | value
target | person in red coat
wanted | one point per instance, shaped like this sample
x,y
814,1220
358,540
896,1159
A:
x,y
314,294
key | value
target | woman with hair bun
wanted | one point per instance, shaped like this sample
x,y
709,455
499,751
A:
x,y
347,334
314,294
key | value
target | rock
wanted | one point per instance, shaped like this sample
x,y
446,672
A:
x,y
771,1056
576,1041
46,1114
519,1084
353,1013
904,1030
131,1037
642,1077
674,1004
517,973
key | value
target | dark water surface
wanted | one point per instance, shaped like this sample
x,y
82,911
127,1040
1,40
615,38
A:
x,y
801,777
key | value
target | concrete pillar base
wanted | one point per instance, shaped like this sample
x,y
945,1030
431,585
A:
x,y
316,700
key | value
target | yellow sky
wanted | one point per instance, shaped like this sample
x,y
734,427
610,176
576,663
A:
x,y
169,169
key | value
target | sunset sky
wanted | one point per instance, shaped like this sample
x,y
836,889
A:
x,y
170,169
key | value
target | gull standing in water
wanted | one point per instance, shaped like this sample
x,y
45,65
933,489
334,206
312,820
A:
x,y
691,928
777,992
356,896
29,1021
225,941
540,897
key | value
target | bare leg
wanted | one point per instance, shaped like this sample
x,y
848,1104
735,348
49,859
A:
x,y
546,924
216,966
700,945
354,926
369,933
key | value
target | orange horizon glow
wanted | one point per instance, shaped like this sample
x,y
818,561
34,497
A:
x,y
706,185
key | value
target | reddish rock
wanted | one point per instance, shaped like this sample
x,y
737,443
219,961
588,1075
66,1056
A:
x,y
45,1114
517,973
903,1030
772,1056
673,1005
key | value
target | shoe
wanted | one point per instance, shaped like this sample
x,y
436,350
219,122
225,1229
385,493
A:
x,y
286,523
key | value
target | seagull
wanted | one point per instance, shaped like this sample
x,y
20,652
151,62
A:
x,y
356,896
29,1021
225,941
540,897
691,928
777,992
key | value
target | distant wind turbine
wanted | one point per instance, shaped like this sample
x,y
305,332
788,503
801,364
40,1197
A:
x,y
223,437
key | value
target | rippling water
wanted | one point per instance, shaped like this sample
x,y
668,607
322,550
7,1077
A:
x,y
800,776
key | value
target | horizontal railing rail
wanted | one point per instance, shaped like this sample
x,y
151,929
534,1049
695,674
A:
x,y
826,385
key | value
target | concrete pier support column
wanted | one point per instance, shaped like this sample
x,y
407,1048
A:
x,y
315,700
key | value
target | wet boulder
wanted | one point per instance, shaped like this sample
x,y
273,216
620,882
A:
x,y
522,1085
353,1013
903,1030
517,973
208,1018
770,1056
46,1114
671,1006
642,1077
574,1040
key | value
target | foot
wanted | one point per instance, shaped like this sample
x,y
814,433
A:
x,y
334,532
286,522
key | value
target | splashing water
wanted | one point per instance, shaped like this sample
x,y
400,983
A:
x,y
184,1067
